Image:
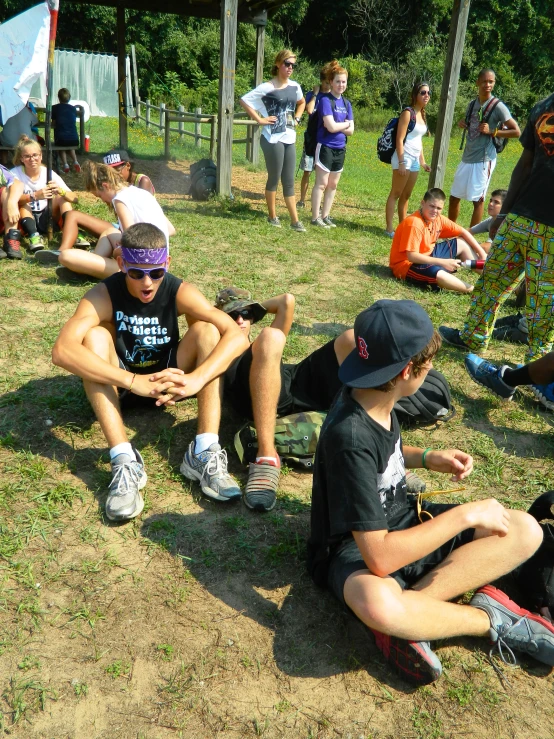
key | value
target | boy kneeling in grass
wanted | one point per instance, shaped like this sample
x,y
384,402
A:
x,y
393,561
416,256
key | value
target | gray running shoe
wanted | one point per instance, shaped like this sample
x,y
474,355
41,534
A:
x,y
274,222
415,661
36,243
261,489
81,242
300,204
298,226
210,469
513,627
47,256
328,220
128,477
320,222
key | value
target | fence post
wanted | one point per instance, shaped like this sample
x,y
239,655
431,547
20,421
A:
x,y
181,122
197,128
248,143
162,117
167,153
213,126
147,113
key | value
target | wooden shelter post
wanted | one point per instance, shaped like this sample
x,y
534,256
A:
x,y
258,79
227,59
458,27
122,78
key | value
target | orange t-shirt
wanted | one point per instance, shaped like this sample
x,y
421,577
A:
x,y
415,234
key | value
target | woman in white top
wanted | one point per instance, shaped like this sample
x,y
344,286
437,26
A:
x,y
131,205
408,156
277,105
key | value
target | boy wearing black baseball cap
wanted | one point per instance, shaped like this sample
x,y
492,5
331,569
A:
x,y
392,561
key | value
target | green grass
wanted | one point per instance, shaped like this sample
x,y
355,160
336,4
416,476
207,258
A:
x,y
199,620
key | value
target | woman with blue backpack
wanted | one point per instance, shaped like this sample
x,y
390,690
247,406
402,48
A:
x,y
335,123
408,158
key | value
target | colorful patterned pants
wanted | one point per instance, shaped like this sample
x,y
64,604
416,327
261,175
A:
x,y
521,247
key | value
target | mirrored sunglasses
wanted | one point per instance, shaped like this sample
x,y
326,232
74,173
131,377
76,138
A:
x,y
155,274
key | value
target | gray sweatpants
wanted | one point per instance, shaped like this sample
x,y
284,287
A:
x,y
280,161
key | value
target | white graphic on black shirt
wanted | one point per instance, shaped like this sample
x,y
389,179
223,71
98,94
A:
x,y
391,483
150,338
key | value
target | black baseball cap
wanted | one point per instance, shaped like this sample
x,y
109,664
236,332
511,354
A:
x,y
387,334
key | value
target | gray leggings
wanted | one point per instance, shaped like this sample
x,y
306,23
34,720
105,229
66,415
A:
x,y
280,161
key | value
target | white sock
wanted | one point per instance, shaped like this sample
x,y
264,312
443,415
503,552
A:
x,y
124,448
204,441
272,460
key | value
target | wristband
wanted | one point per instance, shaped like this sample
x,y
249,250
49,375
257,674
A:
x,y
401,162
131,385
494,132
423,463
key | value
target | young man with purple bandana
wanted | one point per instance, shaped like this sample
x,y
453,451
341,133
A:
x,y
123,341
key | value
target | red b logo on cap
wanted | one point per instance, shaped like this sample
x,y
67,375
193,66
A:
x,y
362,348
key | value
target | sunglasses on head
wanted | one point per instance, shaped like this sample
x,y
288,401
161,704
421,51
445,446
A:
x,y
291,65
155,274
244,313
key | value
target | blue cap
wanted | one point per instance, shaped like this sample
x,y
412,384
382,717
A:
x,y
388,334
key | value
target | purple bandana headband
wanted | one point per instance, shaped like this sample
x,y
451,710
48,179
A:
x,y
144,256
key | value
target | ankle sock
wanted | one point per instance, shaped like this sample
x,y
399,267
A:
x,y
515,377
204,441
29,225
123,448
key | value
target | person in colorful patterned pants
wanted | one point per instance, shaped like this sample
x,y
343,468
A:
x,y
524,246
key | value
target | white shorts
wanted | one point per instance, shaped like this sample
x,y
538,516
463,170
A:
x,y
412,163
471,181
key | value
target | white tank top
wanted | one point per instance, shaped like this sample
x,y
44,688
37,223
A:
x,y
144,208
413,143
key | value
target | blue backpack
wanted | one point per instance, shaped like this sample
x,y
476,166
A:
x,y
386,143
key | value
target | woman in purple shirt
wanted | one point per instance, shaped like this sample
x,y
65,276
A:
x,y
336,122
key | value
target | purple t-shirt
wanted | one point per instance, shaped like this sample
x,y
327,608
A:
x,y
342,113
6,177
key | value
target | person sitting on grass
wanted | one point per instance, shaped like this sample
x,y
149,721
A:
x,y
131,205
416,256
64,120
503,381
123,341
125,168
36,192
396,562
493,209
10,192
261,388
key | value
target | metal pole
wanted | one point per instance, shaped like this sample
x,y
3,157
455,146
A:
x,y
53,6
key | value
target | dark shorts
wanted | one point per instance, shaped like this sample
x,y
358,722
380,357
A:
x,y
66,142
330,160
129,399
310,385
426,274
347,559
41,220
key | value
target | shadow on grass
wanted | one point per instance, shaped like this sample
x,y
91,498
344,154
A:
x,y
320,329
246,561
377,270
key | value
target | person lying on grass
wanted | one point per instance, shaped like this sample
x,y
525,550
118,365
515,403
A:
x,y
123,341
130,204
418,256
396,562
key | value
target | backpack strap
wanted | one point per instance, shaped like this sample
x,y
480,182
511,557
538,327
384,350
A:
x,y
490,109
469,111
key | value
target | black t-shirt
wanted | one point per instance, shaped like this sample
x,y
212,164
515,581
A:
x,y
534,201
359,481
145,332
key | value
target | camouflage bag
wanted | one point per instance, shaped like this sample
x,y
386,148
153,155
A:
x,y
296,438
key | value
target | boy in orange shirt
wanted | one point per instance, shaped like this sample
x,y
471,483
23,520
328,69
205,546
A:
x,y
416,256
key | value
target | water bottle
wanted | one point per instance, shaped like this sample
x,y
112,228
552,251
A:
x,y
87,142
473,263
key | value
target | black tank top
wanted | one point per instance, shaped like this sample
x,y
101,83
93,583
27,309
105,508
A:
x,y
146,333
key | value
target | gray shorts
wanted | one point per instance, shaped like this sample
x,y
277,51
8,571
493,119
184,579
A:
x,y
306,162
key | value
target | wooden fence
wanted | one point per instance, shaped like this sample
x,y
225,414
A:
x,y
164,117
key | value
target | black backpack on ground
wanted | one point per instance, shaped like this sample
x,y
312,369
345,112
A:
x,y
431,403
535,578
310,134
499,144
386,143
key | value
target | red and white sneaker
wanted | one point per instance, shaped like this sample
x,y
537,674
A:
x,y
415,661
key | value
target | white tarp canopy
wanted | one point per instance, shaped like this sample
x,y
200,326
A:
x,y
89,77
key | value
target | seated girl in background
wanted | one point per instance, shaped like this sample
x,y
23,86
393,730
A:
x,y
125,168
36,192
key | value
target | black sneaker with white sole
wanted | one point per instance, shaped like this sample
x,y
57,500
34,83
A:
x,y
452,337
